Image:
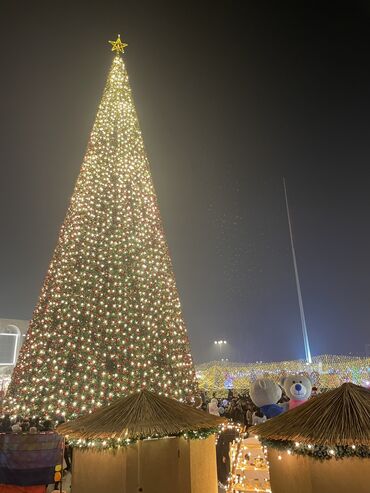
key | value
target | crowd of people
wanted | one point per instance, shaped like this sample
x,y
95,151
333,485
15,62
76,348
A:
x,y
235,406
33,426
24,425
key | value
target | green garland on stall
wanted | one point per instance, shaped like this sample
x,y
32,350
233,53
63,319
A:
x,y
320,452
115,443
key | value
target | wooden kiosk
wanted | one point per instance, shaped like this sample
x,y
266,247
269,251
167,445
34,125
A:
x,y
322,446
144,443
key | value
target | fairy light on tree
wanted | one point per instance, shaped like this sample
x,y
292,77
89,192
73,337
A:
x,y
108,320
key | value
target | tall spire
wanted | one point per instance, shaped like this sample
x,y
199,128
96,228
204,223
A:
x,y
108,320
298,284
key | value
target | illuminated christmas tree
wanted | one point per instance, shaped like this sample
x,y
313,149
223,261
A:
x,y
108,320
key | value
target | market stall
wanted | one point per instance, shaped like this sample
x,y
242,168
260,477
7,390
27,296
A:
x,y
146,443
322,445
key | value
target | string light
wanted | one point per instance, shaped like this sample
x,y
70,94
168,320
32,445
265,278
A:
x,y
109,319
249,465
114,442
320,452
327,371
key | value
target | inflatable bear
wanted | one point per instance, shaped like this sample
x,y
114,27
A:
x,y
265,394
297,388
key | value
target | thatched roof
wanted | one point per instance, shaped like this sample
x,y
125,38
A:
x,y
338,417
140,415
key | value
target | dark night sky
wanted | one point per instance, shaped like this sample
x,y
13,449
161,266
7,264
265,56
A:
x,y
231,96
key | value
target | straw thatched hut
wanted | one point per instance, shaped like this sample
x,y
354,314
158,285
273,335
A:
x,y
322,445
141,443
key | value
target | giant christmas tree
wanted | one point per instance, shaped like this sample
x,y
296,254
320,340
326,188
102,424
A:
x,y
108,320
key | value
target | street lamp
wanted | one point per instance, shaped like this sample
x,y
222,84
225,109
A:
x,y
220,345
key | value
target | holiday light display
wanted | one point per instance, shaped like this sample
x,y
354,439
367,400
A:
x,y
249,466
108,320
327,371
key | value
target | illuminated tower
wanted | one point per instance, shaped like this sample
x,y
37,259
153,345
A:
x,y
306,343
108,320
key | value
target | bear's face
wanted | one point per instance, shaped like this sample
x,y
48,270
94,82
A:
x,y
297,387
264,392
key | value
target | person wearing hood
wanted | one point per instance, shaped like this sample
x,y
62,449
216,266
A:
x,y
213,407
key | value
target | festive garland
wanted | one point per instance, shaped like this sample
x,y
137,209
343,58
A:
x,y
116,443
320,452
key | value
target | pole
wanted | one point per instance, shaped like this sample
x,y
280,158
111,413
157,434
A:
x,y
139,479
61,479
300,301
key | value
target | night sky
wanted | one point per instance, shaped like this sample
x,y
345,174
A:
x,y
231,97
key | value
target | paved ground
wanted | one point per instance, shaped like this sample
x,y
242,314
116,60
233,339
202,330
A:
x,y
66,484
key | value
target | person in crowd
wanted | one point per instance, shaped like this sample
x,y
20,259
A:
x,y
16,428
248,416
67,449
33,424
224,403
258,417
314,392
229,409
237,413
25,425
197,402
221,410
47,425
213,407
203,396
6,426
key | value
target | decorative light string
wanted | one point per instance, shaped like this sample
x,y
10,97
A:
x,y
114,443
320,452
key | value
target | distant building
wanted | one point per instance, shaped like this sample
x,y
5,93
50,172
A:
x,y
12,336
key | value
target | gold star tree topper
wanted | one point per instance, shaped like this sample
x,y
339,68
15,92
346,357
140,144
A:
x,y
117,45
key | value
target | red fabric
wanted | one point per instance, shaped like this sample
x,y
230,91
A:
x,y
10,488
292,405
